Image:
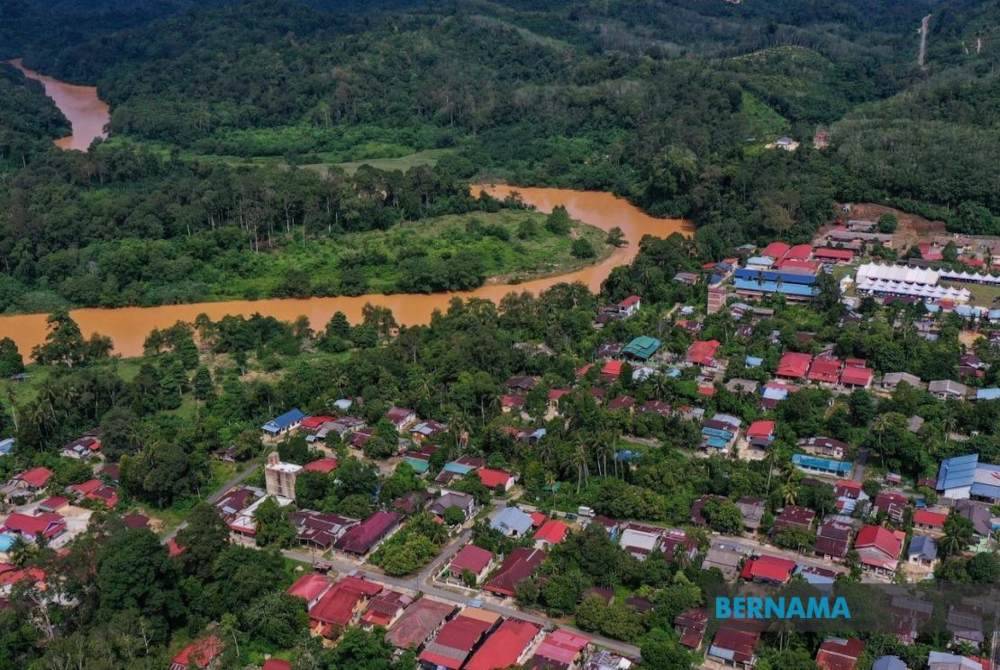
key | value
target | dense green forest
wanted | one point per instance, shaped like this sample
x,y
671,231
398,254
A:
x,y
667,103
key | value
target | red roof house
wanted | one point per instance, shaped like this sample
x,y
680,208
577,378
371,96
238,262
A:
x,y
385,608
492,478
456,640
552,532
793,517
769,569
847,488
856,376
341,604
825,370
879,548
96,490
35,478
201,654
793,365
799,252
839,654
828,254
311,424
46,524
506,647
310,587
518,566
775,250
472,558
362,538
322,465
276,664
561,648
418,622
702,352
761,433
735,647
611,370
928,520
690,626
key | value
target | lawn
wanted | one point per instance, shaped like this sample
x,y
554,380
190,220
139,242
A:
x,y
403,163
982,295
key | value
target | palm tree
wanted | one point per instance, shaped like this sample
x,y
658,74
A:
x,y
789,492
581,459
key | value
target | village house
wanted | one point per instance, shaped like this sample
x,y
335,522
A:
x,y
551,533
86,447
310,587
95,490
473,560
419,622
761,434
26,485
922,551
944,389
833,540
839,654
462,501
401,418
893,504
793,517
516,567
508,646
365,536
512,522
630,306
385,608
892,380
734,648
496,480
822,466
964,477
203,654
675,543
455,640
427,430
768,570
323,466
929,521
752,510
691,626
320,530
284,424
29,527
559,650
702,352
726,557
879,549
341,606
823,446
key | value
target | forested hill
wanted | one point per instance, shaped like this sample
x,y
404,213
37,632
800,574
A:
x,y
667,102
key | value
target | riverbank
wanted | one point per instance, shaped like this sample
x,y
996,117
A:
x,y
88,115
129,326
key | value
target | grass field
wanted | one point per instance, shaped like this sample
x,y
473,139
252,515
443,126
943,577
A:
x,y
403,163
982,295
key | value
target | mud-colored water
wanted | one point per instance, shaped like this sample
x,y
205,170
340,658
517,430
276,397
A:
x,y
87,113
129,326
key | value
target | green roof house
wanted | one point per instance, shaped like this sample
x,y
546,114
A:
x,y
642,347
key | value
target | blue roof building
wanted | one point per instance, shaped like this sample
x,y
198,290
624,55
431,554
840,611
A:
x,y
284,423
753,361
796,290
6,542
458,468
922,548
419,465
826,466
511,521
956,475
889,663
988,394
6,446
